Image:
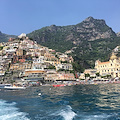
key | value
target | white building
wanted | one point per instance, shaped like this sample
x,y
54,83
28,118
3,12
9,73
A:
x,y
65,66
22,35
41,59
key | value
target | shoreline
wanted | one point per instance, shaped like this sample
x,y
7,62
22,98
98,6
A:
x,y
20,83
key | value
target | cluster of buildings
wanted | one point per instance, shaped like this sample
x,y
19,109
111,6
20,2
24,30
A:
x,y
33,61
106,69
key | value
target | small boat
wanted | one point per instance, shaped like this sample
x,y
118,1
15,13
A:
x,y
60,85
39,94
10,87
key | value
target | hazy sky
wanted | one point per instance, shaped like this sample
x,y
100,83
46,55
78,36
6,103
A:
x,y
25,16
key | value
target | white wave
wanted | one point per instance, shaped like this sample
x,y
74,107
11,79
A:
x,y
8,111
67,113
95,116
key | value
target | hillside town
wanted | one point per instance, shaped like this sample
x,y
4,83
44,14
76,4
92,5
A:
x,y
24,61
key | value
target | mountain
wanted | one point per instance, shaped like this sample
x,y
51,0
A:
x,y
65,37
5,37
89,40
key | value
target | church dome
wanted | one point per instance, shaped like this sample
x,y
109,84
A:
x,y
113,56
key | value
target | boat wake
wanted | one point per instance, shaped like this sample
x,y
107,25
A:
x,y
97,116
67,113
8,111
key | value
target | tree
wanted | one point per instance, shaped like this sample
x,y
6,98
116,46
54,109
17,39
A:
x,y
87,75
97,74
31,38
24,52
64,61
108,76
51,67
1,47
77,67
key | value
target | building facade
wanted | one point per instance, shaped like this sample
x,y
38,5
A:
x,y
111,67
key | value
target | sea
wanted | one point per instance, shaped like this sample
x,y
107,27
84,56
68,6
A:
x,y
78,102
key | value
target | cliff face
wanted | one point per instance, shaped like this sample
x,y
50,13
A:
x,y
90,29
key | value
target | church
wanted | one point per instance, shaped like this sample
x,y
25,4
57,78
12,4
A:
x,y
111,67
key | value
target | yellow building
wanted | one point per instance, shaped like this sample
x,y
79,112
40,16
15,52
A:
x,y
1,44
19,52
33,72
1,52
91,72
20,66
111,67
51,75
50,57
53,62
82,76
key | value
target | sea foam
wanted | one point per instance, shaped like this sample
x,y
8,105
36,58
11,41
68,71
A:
x,y
67,113
95,116
8,111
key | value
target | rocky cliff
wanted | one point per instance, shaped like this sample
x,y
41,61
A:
x,y
90,29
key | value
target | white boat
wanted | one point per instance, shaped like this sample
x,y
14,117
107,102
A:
x,y
39,94
10,87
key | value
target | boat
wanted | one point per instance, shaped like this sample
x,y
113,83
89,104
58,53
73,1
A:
x,y
39,94
13,87
59,85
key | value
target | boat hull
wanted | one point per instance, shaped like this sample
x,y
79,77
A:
x,y
14,88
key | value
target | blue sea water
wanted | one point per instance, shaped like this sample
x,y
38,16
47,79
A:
x,y
80,102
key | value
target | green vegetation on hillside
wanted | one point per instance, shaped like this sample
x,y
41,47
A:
x,y
100,49
85,36
5,37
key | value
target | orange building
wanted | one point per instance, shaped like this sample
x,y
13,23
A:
x,y
66,76
22,60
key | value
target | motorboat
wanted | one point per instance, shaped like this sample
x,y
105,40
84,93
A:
x,y
14,87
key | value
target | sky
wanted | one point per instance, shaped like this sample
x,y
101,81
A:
x,y
25,16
